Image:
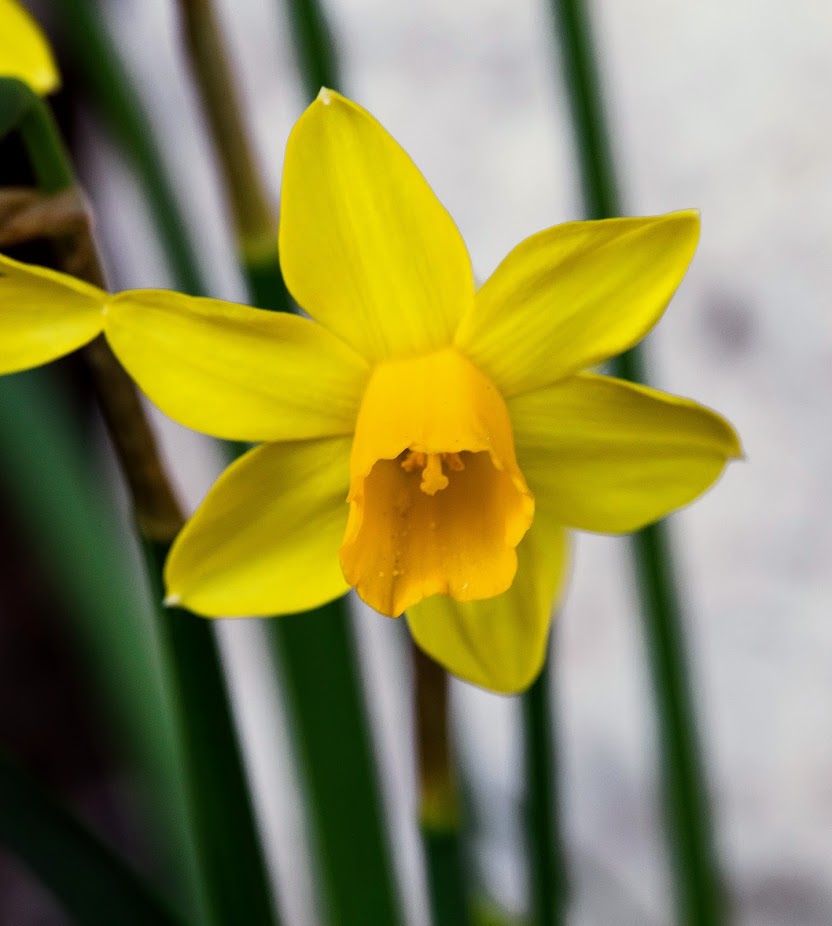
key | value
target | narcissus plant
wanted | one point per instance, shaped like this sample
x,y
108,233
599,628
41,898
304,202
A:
x,y
425,442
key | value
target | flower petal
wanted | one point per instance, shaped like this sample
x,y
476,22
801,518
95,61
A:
x,y
236,372
365,246
500,643
265,539
601,454
24,52
44,314
575,295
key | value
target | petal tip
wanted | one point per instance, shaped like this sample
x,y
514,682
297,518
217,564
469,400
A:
x,y
173,600
691,217
327,97
734,449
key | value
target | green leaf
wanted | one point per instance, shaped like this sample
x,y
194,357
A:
x,y
232,867
58,497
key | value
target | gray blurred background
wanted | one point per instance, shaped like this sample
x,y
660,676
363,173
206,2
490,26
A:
x,y
720,106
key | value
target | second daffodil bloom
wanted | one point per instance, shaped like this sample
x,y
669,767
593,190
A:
x,y
24,52
424,442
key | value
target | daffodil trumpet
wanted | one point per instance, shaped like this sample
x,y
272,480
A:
x,y
422,441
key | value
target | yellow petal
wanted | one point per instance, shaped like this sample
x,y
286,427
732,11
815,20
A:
x,y
437,503
44,314
265,539
24,52
365,246
500,644
605,455
575,295
236,372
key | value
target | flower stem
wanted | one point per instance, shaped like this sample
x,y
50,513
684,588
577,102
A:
x,y
112,90
586,103
548,873
699,892
232,871
314,45
316,653
92,884
255,221
45,148
438,798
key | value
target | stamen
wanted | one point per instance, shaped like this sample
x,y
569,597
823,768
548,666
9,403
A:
x,y
414,460
433,479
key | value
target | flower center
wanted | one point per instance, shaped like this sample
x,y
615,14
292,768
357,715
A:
x,y
437,501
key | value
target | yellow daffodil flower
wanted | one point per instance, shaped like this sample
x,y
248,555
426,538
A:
x,y
422,441
24,52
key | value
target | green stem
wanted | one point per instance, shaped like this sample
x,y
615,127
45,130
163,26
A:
x,y
114,94
699,892
574,38
701,898
233,871
316,653
548,870
445,875
439,815
15,99
255,221
93,885
45,147
314,46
